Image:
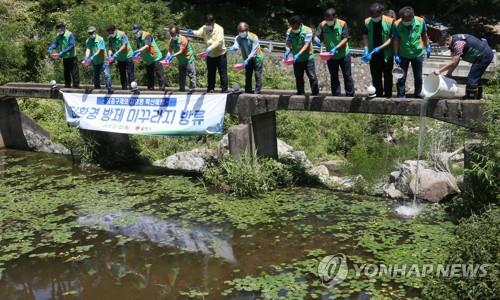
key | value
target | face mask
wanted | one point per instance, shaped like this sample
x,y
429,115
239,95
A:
x,y
60,32
175,38
113,35
243,35
209,27
376,19
138,34
408,23
330,23
93,35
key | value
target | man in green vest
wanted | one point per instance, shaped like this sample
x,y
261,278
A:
x,y
121,52
95,52
410,44
181,48
333,32
377,38
473,50
151,55
249,45
65,42
298,42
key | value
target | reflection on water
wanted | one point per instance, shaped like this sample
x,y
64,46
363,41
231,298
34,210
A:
x,y
163,233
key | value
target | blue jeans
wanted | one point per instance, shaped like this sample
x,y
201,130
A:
x,y
417,66
98,69
478,68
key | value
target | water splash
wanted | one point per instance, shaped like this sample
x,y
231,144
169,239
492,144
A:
x,y
421,136
415,207
409,210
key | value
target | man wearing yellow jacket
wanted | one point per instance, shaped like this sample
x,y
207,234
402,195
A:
x,y
213,35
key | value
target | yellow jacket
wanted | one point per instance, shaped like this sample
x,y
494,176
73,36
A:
x,y
213,39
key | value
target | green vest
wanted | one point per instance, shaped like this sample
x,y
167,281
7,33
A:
x,y
116,43
297,41
386,35
63,42
152,53
246,46
93,45
332,35
187,56
411,44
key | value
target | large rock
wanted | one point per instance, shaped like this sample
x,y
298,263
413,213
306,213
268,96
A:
x,y
38,139
287,152
434,185
192,161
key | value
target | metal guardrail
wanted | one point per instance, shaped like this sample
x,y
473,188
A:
x,y
275,46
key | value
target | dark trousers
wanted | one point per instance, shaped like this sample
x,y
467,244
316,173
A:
x,y
478,68
253,67
345,66
98,70
417,66
151,70
215,64
310,69
71,72
379,69
127,73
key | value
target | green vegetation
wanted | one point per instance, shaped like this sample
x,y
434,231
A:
x,y
477,242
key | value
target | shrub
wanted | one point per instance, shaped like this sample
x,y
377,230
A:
x,y
248,176
477,242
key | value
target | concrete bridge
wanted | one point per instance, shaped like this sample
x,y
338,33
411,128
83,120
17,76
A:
x,y
257,113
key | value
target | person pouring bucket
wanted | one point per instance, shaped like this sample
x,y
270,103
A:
x,y
473,50
248,43
150,53
120,51
65,43
95,54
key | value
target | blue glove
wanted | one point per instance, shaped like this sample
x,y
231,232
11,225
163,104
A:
x,y
333,51
245,63
232,48
366,52
136,53
287,52
61,53
397,59
317,42
169,57
296,58
115,55
92,58
189,31
428,50
207,51
376,50
50,50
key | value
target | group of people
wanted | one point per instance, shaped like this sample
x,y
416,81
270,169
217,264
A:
x,y
387,41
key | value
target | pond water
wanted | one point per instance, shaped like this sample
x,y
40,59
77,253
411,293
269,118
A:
x,y
68,233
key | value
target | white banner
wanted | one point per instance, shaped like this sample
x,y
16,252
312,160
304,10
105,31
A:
x,y
147,114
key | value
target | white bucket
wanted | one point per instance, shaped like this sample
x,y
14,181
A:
x,y
439,87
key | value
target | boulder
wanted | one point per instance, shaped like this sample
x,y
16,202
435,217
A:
x,y
191,161
434,185
334,166
319,171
